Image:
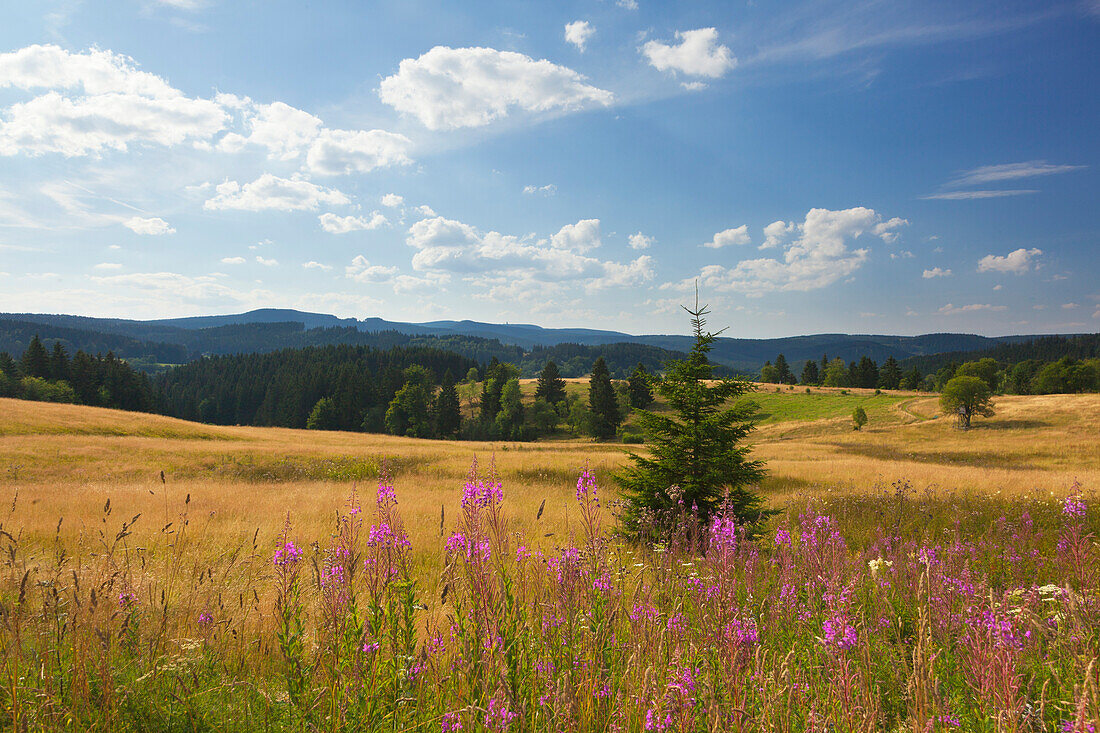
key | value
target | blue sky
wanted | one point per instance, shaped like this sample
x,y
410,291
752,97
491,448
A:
x,y
862,167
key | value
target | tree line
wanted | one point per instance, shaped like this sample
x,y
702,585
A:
x,y
1066,374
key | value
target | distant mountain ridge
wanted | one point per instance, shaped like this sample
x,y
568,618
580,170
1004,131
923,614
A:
x,y
742,354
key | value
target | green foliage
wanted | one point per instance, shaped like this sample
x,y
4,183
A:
x,y
43,390
641,389
447,408
966,397
783,374
697,458
810,373
768,373
859,418
836,375
509,420
890,375
409,412
323,416
550,386
35,361
544,417
602,402
984,369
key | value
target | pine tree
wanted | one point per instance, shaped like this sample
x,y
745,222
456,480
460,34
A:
x,y
35,361
641,393
824,367
889,377
59,363
809,373
867,371
602,402
550,387
490,391
447,410
7,364
783,370
697,456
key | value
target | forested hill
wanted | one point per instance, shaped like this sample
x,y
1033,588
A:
x,y
269,329
1041,349
282,387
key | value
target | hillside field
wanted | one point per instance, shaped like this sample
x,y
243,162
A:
x,y
64,461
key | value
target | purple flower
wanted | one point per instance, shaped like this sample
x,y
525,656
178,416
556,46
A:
x,y
126,599
206,618
1074,507
288,554
782,538
498,716
838,634
451,722
586,486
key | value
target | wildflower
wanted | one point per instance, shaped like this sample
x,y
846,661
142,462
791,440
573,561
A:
x,y
838,634
877,566
386,495
126,599
206,618
451,722
653,721
1074,507
782,538
498,716
742,632
370,647
586,486
948,721
288,554
723,534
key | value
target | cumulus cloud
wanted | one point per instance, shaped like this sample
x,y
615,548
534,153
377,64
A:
x,y
284,130
153,226
578,32
952,310
739,235
886,230
548,190
361,270
507,266
392,200
97,101
696,54
449,88
1010,172
816,256
233,260
342,152
107,266
312,265
935,272
1018,261
776,233
269,192
343,224
266,261
640,241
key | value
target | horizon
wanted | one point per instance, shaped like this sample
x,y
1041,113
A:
x,y
816,168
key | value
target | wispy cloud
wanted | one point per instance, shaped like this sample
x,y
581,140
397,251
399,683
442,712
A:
x,y
987,194
1009,172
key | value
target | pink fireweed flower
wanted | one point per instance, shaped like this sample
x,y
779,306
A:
x,y
479,493
370,647
206,618
126,599
742,632
451,722
782,538
723,534
498,716
654,722
332,576
838,634
1074,507
586,486
386,495
288,554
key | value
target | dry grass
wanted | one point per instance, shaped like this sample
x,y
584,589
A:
x,y
64,461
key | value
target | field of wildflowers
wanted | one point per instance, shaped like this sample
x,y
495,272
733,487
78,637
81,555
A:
x,y
896,612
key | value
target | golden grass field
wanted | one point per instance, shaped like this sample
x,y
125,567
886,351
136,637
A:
x,y
64,461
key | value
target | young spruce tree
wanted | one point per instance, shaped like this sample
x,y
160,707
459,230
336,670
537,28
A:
x,y
697,455
550,387
602,401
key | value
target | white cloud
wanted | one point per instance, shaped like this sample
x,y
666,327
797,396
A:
x,y
107,266
430,283
817,257
284,130
580,237
507,266
425,210
233,260
269,192
1069,306
266,262
174,287
640,241
627,4
363,271
448,88
885,230
952,310
935,272
392,200
97,101
578,32
342,152
1017,261
548,190
968,195
153,226
998,286
693,86
728,237
312,265
1010,172
776,233
696,54
343,224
